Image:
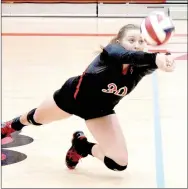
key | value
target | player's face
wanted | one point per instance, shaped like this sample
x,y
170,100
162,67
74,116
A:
x,y
133,40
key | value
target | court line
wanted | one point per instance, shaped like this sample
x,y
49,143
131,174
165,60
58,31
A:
x,y
160,178
70,34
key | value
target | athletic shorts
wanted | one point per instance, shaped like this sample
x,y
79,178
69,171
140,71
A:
x,y
64,99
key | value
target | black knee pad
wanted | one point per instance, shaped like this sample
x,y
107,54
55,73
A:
x,y
30,117
111,164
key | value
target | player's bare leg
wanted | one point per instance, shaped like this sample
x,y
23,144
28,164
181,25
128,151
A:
x,y
111,147
46,113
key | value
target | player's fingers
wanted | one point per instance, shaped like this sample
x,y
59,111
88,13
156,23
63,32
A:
x,y
169,61
170,68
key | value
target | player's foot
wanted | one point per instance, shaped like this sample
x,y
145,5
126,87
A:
x,y
75,153
6,129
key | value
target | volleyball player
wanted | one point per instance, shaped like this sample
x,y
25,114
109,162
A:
x,y
92,96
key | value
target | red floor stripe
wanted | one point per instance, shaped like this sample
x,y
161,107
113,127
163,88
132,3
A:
x,y
182,57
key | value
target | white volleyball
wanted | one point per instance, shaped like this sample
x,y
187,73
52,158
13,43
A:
x,y
157,28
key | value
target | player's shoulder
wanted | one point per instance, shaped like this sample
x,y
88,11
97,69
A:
x,y
113,47
114,50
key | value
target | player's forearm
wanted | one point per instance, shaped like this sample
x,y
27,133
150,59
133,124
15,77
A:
x,y
139,58
136,58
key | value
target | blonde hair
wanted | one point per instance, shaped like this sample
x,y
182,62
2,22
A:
x,y
120,35
118,38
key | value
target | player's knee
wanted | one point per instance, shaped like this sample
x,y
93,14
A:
x,y
33,117
121,159
116,165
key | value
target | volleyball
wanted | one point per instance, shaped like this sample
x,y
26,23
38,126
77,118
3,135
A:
x,y
157,28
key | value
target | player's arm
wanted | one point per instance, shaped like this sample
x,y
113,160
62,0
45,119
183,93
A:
x,y
136,58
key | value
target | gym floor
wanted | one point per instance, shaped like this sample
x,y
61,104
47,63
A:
x,y
153,117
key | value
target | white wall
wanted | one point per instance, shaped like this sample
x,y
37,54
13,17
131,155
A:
x,y
177,11
74,25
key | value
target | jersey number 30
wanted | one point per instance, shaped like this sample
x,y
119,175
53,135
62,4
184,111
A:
x,y
112,88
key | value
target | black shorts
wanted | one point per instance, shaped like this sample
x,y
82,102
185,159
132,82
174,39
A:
x,y
64,99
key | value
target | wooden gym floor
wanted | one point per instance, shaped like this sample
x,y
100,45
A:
x,y
153,116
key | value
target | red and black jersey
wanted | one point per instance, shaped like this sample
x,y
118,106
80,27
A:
x,y
104,83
